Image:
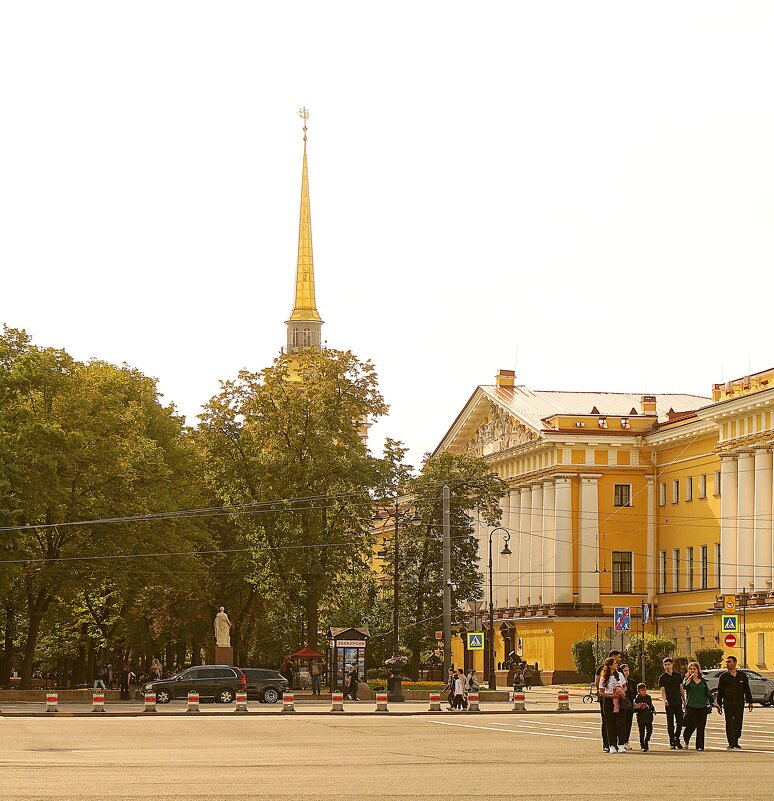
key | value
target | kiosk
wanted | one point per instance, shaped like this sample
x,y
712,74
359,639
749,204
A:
x,y
346,647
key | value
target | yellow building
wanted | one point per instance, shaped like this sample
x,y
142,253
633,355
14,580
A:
x,y
618,499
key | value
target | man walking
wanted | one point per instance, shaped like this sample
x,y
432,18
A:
x,y
673,696
733,691
605,741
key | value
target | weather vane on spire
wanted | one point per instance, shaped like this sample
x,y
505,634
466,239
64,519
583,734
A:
x,y
303,112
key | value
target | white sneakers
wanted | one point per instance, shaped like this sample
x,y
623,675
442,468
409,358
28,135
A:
x,y
617,751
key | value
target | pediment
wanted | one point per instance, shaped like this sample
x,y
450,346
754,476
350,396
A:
x,y
498,432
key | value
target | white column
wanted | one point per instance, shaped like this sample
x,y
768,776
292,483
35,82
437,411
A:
x,y
650,552
563,545
525,518
536,546
762,523
728,510
513,566
549,543
588,547
745,542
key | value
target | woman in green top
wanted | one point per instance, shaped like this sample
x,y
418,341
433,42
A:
x,y
697,699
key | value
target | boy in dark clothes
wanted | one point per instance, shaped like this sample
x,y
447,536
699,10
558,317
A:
x,y
643,706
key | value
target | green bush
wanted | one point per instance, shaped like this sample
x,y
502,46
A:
x,y
709,657
587,654
656,648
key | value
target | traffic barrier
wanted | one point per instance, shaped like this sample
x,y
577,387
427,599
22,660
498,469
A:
x,y
150,701
435,702
381,702
337,702
518,701
563,700
288,702
98,701
52,702
241,701
193,701
473,702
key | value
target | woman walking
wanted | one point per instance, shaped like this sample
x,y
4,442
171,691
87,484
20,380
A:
x,y
627,708
611,684
698,699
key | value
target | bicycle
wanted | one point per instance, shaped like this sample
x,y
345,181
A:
x,y
592,695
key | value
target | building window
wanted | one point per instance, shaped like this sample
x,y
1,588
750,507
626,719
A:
x,y
689,488
662,573
717,483
622,571
675,491
676,570
717,564
689,570
703,485
622,495
662,494
704,567
761,649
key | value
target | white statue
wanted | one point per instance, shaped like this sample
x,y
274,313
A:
x,y
222,629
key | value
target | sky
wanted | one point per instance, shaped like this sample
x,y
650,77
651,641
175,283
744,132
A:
x,y
583,192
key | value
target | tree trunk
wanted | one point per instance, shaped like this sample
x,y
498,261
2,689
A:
x,y
33,629
8,649
180,652
196,658
312,617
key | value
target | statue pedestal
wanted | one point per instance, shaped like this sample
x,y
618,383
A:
x,y
224,656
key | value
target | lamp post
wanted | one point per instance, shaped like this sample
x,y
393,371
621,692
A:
x,y
395,662
506,551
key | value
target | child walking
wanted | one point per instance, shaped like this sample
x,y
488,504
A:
x,y
643,706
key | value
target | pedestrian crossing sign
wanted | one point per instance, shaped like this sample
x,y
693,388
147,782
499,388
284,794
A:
x,y
475,641
730,623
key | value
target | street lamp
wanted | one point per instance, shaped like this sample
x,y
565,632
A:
x,y
506,551
395,662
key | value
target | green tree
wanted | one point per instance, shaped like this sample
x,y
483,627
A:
x,y
284,449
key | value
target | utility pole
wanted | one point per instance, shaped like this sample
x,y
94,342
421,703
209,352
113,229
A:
x,y
446,581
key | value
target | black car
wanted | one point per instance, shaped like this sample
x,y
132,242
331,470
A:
x,y
264,685
219,682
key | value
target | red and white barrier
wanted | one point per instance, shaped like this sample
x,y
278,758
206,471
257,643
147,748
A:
x,y
337,702
98,701
381,702
473,702
52,702
518,701
150,701
241,701
288,702
435,702
562,700
193,701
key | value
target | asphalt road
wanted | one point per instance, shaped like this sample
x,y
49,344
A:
x,y
459,756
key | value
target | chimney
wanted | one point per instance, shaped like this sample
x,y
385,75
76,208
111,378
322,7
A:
x,y
505,379
648,404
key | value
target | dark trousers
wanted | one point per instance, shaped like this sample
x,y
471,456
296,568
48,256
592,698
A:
x,y
646,730
315,684
459,702
674,716
734,719
605,741
628,717
695,721
614,722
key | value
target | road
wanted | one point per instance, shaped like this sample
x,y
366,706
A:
x,y
434,756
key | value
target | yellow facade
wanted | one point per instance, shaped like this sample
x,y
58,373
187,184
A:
x,y
615,500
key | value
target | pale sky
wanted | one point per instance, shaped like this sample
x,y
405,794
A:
x,y
587,184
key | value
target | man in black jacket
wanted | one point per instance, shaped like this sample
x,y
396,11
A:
x,y
733,691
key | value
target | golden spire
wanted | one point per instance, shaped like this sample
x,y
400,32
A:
x,y
304,306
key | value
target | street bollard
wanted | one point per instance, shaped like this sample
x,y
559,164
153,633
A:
x,y
473,702
98,701
193,701
52,702
288,702
337,702
435,702
563,700
150,701
381,702
241,701
518,702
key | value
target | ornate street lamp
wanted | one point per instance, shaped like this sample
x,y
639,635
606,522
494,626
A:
x,y
506,551
396,661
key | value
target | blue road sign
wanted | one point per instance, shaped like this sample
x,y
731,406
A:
x,y
475,641
622,620
646,613
731,623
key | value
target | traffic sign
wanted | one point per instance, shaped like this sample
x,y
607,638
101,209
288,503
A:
x,y
646,613
729,603
730,623
622,619
475,641
730,640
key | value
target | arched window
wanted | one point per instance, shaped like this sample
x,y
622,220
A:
x,y
307,337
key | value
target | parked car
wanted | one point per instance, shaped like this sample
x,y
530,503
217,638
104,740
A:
x,y
264,685
762,689
219,682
